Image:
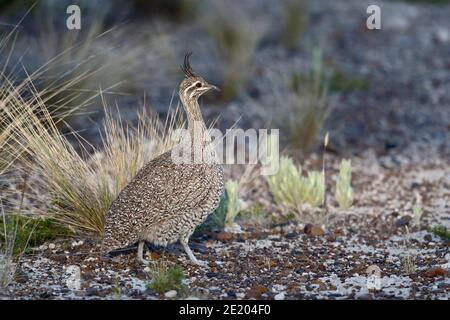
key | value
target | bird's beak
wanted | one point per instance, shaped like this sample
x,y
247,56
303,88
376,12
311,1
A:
x,y
213,87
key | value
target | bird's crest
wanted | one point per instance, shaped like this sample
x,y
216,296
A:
x,y
186,67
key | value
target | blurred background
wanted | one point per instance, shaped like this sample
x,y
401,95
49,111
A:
x,y
306,67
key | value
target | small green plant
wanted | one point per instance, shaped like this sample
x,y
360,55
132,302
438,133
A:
x,y
344,191
255,216
314,188
7,265
285,185
340,82
9,247
441,232
30,232
231,189
228,209
165,278
417,214
290,189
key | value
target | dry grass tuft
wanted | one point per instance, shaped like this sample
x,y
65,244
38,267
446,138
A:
x,y
81,187
235,37
310,103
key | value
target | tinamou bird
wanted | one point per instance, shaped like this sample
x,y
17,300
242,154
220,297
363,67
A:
x,y
168,199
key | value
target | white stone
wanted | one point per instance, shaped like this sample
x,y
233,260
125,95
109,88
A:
x,y
235,228
170,294
280,296
240,295
73,277
51,246
443,35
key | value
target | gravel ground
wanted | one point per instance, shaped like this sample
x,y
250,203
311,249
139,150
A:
x,y
282,261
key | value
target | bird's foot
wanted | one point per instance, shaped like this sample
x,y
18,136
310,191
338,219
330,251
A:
x,y
200,263
140,253
145,262
191,256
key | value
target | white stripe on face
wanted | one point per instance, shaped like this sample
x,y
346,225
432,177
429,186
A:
x,y
189,88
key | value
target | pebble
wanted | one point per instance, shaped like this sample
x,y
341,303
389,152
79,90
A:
x,y
435,272
280,296
170,294
51,246
224,236
91,291
313,230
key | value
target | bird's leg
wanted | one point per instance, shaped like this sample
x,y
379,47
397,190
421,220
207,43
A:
x,y
184,242
140,253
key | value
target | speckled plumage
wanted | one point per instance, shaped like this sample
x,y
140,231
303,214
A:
x,y
166,200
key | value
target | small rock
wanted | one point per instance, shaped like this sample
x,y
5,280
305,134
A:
x,y
73,277
256,291
240,295
428,238
403,221
235,228
91,291
170,294
322,286
52,246
45,295
292,235
435,272
280,296
442,35
313,230
231,293
212,274
224,236
77,243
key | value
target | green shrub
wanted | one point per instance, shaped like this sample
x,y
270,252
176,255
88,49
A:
x,y
441,231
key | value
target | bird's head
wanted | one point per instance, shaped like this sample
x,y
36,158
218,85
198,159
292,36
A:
x,y
193,85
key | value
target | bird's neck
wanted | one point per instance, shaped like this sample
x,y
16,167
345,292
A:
x,y
196,124
199,139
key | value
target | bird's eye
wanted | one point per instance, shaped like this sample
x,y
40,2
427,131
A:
x,y
198,84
